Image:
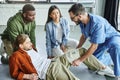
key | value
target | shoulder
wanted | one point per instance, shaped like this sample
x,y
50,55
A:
x,y
15,54
15,18
97,19
49,25
14,57
18,53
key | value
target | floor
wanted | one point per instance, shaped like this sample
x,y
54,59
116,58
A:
x,y
81,71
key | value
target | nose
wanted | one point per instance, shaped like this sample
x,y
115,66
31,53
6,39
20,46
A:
x,y
33,17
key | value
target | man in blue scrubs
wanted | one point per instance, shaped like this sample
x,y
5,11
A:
x,y
102,36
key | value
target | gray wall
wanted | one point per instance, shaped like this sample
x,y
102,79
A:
x,y
8,10
99,7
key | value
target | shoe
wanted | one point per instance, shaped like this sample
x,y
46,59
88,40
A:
x,y
4,59
107,71
117,78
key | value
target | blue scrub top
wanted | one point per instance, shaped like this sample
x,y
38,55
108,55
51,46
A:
x,y
102,33
98,30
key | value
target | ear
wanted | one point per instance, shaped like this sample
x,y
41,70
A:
x,y
50,16
20,45
24,14
79,15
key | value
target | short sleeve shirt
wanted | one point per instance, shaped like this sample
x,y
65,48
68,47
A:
x,y
98,29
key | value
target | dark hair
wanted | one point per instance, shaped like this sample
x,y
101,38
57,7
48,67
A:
x,y
77,8
53,7
20,39
28,7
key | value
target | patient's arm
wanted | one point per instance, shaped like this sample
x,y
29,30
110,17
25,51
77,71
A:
x,y
19,65
15,71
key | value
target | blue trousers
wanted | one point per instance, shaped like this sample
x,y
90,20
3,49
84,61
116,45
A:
x,y
112,46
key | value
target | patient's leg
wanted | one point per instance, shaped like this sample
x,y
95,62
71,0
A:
x,y
71,55
92,62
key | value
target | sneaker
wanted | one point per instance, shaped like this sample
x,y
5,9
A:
x,y
117,78
107,71
4,59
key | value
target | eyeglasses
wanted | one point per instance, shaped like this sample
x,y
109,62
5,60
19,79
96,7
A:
x,y
72,18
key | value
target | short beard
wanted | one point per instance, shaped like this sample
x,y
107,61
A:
x,y
26,20
78,22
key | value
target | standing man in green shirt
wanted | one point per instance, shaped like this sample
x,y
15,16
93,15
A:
x,y
22,22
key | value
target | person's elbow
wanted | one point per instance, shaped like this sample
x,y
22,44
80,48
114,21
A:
x,y
13,75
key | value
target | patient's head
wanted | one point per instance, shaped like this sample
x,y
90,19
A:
x,y
23,42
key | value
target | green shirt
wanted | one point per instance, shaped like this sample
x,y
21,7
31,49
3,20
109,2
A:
x,y
16,26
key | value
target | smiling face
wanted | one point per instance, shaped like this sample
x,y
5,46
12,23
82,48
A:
x,y
75,18
55,15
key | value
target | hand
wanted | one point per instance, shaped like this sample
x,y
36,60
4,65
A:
x,y
33,76
63,48
76,62
78,46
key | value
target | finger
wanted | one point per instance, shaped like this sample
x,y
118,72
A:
x,y
34,74
35,78
73,64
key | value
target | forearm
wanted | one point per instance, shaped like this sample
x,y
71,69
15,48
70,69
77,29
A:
x,y
89,52
33,38
63,48
32,33
81,41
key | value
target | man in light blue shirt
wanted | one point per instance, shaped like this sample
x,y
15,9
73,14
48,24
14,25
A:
x,y
102,36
